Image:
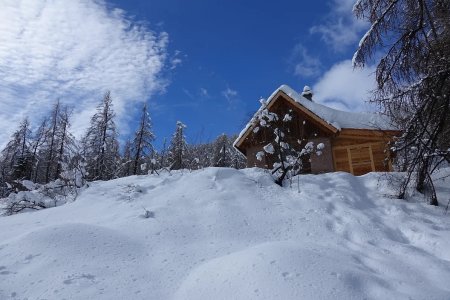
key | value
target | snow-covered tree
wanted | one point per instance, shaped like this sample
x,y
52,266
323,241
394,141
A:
x,y
126,160
67,147
413,77
37,142
222,152
201,155
142,143
51,148
16,160
238,160
177,149
100,145
225,155
287,156
53,145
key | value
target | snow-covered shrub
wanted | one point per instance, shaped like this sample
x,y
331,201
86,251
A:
x,y
28,196
287,156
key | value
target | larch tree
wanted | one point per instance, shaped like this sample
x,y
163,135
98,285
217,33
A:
x,y
222,152
54,144
225,155
51,147
126,160
37,142
142,142
100,145
177,149
413,80
15,157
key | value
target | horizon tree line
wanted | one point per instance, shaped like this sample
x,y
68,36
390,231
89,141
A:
x,y
51,152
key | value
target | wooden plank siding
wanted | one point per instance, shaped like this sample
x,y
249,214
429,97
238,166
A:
x,y
360,159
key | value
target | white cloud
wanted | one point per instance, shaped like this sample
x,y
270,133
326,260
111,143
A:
x,y
75,51
176,60
229,94
232,97
345,88
304,64
340,28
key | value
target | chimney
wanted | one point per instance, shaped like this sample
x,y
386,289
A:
x,y
307,93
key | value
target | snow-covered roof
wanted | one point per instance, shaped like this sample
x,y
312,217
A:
x,y
336,118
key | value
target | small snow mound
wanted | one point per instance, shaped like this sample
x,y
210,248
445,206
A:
x,y
280,270
222,173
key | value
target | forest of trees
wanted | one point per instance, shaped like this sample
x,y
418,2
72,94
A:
x,y
51,152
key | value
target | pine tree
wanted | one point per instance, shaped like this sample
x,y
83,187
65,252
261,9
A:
x,y
142,142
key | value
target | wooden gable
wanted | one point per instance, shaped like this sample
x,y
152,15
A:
x,y
283,102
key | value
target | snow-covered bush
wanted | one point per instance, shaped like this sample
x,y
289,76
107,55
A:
x,y
287,156
28,196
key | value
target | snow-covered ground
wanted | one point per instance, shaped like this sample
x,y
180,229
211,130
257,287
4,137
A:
x,y
230,234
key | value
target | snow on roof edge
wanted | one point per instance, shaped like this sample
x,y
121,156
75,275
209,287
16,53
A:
x,y
336,118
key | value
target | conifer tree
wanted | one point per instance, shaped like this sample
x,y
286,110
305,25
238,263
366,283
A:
x,y
51,148
178,148
16,158
413,79
142,142
37,142
126,160
100,145
222,152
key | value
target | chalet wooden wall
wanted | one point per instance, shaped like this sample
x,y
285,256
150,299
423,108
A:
x,y
323,162
361,155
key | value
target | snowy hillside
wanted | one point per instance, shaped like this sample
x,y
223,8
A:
x,y
229,234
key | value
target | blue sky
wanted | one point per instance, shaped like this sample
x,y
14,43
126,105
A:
x,y
205,63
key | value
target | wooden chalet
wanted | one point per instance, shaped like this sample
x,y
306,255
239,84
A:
x,y
353,142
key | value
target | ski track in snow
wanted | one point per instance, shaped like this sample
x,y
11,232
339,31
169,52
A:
x,y
229,234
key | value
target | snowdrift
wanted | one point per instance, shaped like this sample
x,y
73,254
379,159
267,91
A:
x,y
230,234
